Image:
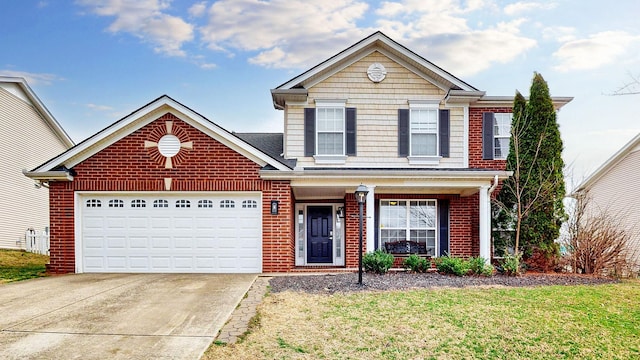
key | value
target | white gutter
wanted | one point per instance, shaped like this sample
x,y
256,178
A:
x,y
41,176
494,186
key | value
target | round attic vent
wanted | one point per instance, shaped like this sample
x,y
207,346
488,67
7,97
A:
x,y
169,145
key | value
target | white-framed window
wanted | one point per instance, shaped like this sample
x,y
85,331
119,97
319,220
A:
x,y
205,203
501,134
116,203
330,130
160,203
138,203
183,203
227,204
93,203
408,226
249,204
423,122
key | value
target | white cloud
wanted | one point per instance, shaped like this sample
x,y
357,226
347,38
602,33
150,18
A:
x,y
595,51
440,31
32,78
558,33
198,9
527,6
283,33
146,20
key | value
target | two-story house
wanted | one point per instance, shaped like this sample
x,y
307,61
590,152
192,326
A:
x,y
29,135
166,190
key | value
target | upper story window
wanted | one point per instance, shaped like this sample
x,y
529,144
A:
x,y
501,134
330,130
424,131
496,134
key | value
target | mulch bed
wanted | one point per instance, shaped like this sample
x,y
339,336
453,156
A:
x,y
348,282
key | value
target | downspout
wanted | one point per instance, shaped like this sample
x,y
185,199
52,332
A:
x,y
494,186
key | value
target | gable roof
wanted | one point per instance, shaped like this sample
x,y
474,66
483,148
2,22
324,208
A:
x,y
18,87
609,164
296,88
57,168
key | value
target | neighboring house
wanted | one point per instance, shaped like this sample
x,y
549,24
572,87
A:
x,y
614,190
166,190
29,135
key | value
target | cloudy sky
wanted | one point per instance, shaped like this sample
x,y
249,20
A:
x,y
94,61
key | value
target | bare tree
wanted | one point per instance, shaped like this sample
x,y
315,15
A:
x,y
631,87
597,241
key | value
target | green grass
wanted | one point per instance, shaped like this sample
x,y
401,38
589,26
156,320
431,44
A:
x,y
556,322
16,265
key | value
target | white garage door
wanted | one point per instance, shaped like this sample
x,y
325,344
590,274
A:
x,y
184,233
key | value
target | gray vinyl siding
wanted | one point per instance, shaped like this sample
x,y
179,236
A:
x,y
618,193
26,141
377,113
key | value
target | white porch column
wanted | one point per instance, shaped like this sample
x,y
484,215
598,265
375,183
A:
x,y
485,223
371,224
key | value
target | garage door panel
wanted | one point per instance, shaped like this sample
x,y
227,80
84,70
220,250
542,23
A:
x,y
213,234
139,262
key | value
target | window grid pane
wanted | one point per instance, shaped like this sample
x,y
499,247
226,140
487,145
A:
x,y
330,131
424,132
502,134
413,220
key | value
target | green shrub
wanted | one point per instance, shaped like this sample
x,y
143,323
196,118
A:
x,y
416,263
511,264
479,266
378,262
452,265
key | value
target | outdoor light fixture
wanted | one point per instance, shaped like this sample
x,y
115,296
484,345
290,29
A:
x,y
275,204
340,212
361,196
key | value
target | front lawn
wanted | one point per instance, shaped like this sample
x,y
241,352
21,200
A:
x,y
18,265
551,322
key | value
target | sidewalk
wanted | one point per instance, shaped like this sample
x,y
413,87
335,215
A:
x,y
239,321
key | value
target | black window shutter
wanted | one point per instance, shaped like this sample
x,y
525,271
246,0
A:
x,y
403,132
443,132
309,131
443,208
487,136
351,131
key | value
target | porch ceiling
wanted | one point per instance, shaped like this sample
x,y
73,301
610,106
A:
x,y
338,192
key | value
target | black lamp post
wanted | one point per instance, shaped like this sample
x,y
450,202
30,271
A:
x,y
361,196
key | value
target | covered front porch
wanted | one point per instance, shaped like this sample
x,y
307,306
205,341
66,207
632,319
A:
x,y
428,212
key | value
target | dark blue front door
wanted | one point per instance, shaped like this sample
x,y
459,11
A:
x,y
319,234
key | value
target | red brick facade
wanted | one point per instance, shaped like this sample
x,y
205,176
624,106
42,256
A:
x,y
475,139
209,166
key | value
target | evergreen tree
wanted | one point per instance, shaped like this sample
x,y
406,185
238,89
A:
x,y
530,201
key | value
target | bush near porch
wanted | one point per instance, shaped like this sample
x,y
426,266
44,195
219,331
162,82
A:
x,y
16,265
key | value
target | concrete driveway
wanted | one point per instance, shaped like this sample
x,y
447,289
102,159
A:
x,y
116,316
